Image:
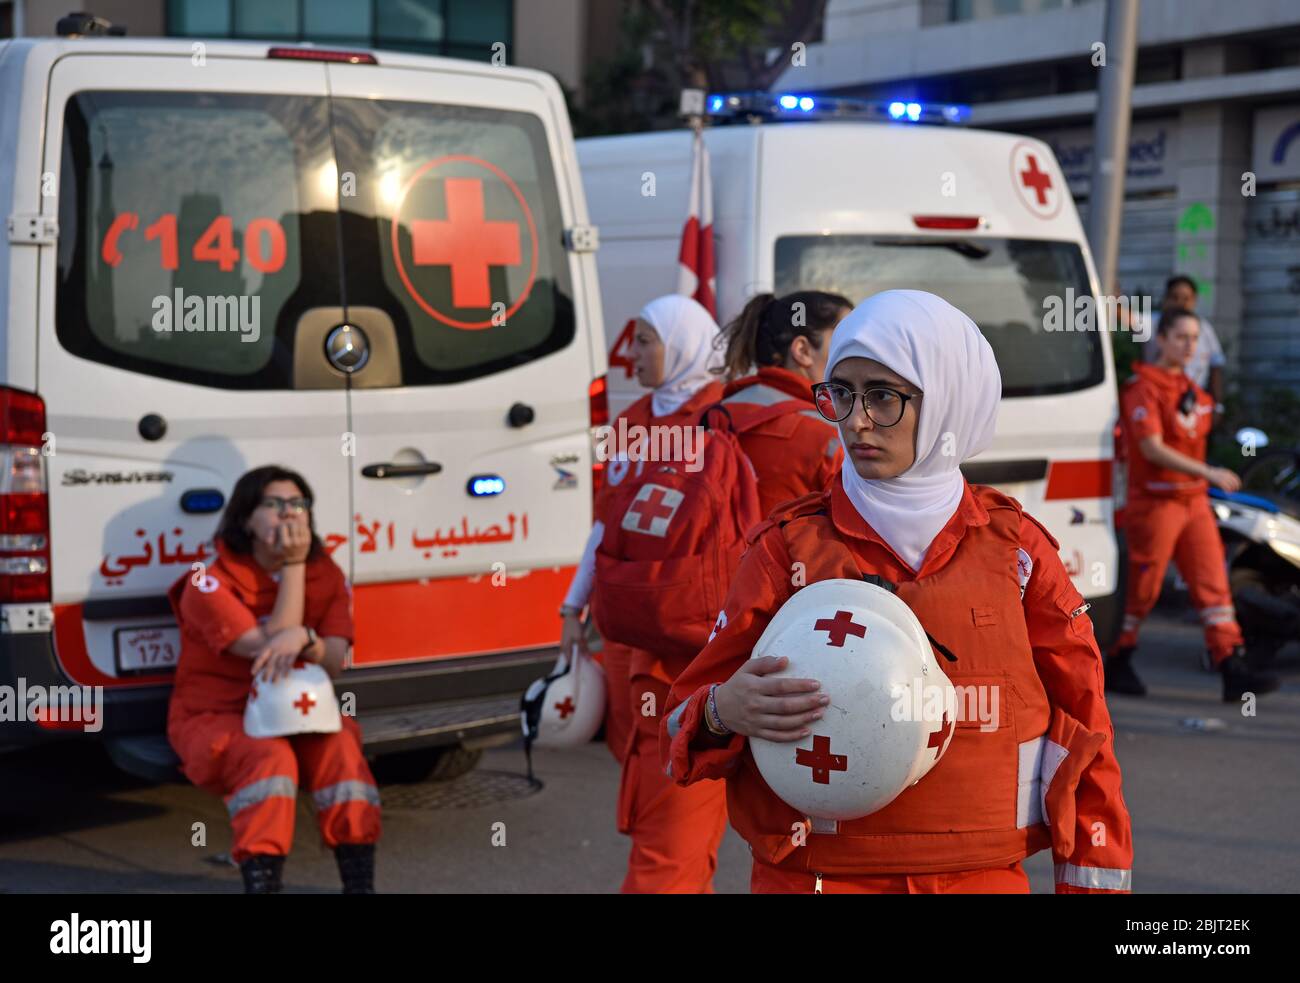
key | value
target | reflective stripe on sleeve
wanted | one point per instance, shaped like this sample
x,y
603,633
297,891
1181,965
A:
x,y
675,719
1097,878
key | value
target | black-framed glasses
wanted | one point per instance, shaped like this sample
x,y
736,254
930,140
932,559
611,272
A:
x,y
294,506
884,406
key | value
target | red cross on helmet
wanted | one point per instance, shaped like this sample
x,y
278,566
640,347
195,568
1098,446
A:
x,y
892,710
565,708
300,703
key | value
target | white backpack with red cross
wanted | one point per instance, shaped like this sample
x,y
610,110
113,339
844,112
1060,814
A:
x,y
302,702
892,712
668,555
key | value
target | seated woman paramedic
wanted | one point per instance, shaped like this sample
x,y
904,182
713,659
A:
x,y
776,350
914,389
675,831
272,597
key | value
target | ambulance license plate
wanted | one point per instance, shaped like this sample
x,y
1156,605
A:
x,y
147,648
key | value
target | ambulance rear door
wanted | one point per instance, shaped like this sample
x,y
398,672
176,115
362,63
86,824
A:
x,y
469,355
197,253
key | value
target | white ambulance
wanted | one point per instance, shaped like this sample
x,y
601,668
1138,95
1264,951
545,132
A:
x,y
855,197
373,268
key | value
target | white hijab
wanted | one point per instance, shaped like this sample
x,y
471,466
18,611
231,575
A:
x,y
939,350
688,332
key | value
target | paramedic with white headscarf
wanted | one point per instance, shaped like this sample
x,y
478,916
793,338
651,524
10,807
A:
x,y
675,831
914,389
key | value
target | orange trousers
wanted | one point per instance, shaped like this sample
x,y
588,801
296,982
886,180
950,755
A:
x,y
1012,879
675,831
258,777
1181,529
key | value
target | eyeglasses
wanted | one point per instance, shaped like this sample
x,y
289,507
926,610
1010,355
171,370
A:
x,y
283,505
883,406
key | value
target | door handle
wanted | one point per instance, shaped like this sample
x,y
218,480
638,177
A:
x,y
390,470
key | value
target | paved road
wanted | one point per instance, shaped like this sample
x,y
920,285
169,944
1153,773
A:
x,y
1214,811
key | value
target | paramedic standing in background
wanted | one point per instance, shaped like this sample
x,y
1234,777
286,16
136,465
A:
x,y
776,351
1205,368
1166,420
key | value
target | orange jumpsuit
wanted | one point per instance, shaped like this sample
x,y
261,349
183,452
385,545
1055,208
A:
x,y
259,776
793,454
1045,776
1168,512
675,831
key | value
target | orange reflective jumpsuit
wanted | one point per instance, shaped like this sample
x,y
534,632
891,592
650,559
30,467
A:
x,y
1045,775
675,831
259,776
793,454
1168,512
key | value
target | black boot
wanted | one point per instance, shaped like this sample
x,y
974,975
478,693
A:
x,y
356,867
1120,677
262,874
1239,679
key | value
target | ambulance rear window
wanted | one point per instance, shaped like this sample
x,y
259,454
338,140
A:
x,y
1000,283
193,228
455,232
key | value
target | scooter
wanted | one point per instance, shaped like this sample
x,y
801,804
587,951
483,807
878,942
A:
x,y
1261,542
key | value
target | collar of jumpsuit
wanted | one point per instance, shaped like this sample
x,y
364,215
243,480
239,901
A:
x,y
1167,381
850,524
790,383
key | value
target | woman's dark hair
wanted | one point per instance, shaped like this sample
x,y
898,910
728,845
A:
x,y
1182,279
247,495
1170,315
763,332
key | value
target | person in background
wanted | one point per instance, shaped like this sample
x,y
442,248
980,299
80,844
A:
x,y
272,597
1205,368
1166,421
785,339
675,832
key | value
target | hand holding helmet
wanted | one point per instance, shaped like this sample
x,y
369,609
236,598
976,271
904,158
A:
x,y
756,703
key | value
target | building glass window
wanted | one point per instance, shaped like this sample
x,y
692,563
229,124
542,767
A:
x,y
267,19
195,18
459,28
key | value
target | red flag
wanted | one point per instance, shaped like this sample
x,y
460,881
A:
x,y
696,277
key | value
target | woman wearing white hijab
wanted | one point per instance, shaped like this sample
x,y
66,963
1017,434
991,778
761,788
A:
x,y
914,388
675,832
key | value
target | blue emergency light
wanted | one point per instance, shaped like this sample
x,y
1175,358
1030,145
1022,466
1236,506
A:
x,y
726,107
484,485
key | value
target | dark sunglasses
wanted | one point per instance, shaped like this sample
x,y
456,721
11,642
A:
x,y
884,406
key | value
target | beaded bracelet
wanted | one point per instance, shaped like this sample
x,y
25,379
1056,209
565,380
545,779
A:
x,y
715,724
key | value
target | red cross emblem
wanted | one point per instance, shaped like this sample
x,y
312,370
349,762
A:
x,y
1035,186
839,628
467,243
940,736
565,708
652,510
821,761
305,703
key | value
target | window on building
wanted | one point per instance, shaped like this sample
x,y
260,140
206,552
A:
x,y
983,9
460,28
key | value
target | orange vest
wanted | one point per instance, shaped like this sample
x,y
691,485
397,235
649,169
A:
x,y
981,805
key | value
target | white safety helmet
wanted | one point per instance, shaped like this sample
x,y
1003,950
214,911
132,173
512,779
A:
x,y
300,703
565,708
871,655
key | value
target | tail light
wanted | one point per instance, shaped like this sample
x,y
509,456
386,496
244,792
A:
x,y
323,54
598,401
24,501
